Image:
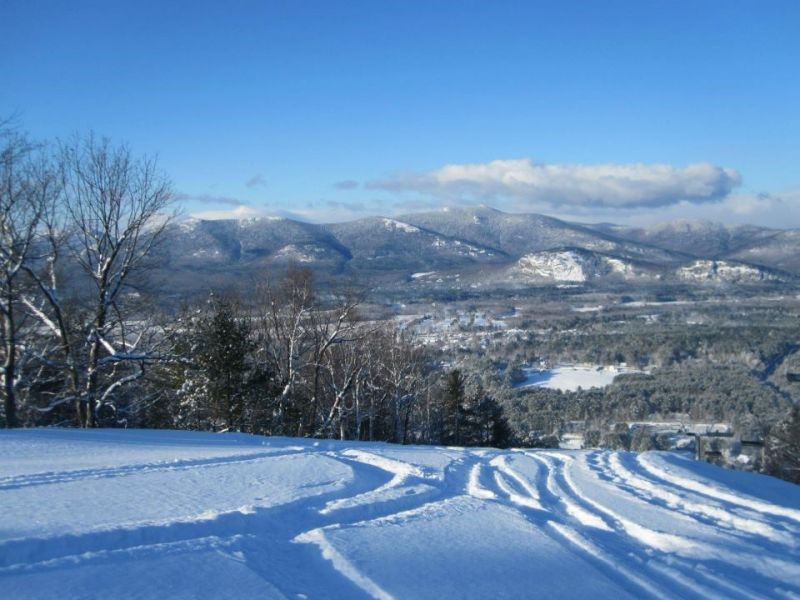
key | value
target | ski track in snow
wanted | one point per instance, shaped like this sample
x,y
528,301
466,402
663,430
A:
x,y
382,521
76,475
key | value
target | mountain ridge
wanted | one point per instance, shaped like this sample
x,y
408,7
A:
x,y
484,244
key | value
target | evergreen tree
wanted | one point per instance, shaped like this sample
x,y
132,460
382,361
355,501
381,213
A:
x,y
495,430
483,421
219,353
453,408
782,448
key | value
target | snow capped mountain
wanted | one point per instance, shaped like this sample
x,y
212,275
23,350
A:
x,y
710,240
390,246
514,234
772,249
251,240
484,244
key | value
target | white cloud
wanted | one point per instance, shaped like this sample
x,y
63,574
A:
x,y
240,212
778,210
526,183
205,199
754,204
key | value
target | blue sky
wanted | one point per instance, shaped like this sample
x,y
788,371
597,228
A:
x,y
616,110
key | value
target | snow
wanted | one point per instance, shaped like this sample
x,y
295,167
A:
x,y
619,266
153,514
392,225
570,378
570,266
293,252
644,303
701,270
558,266
588,309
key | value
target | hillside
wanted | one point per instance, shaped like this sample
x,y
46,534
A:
x,y
151,514
471,246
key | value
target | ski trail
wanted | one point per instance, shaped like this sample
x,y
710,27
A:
x,y
688,582
698,486
343,566
666,543
474,487
55,477
513,496
732,588
397,488
762,565
650,490
575,510
249,531
663,541
612,562
530,499
612,554
400,470
355,520
145,547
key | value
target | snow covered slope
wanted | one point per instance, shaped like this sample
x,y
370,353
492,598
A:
x,y
152,514
571,265
713,270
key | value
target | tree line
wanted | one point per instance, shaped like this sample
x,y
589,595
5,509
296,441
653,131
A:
x,y
85,344
298,361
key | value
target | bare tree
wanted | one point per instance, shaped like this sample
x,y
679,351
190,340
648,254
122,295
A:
x,y
370,393
343,363
401,370
115,210
46,301
296,333
284,339
27,184
332,326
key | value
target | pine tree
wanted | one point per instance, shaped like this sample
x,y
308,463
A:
x,y
216,390
484,422
782,448
453,408
495,428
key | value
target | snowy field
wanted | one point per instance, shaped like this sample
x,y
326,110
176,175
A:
x,y
145,514
570,378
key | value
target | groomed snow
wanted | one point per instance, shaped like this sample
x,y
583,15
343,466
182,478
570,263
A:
x,y
155,514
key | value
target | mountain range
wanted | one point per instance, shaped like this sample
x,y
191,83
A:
x,y
475,247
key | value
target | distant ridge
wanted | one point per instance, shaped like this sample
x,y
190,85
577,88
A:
x,y
467,246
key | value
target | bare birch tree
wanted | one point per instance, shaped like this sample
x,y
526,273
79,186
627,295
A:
x,y
27,185
284,340
115,208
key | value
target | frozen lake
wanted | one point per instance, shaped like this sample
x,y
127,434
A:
x,y
570,378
